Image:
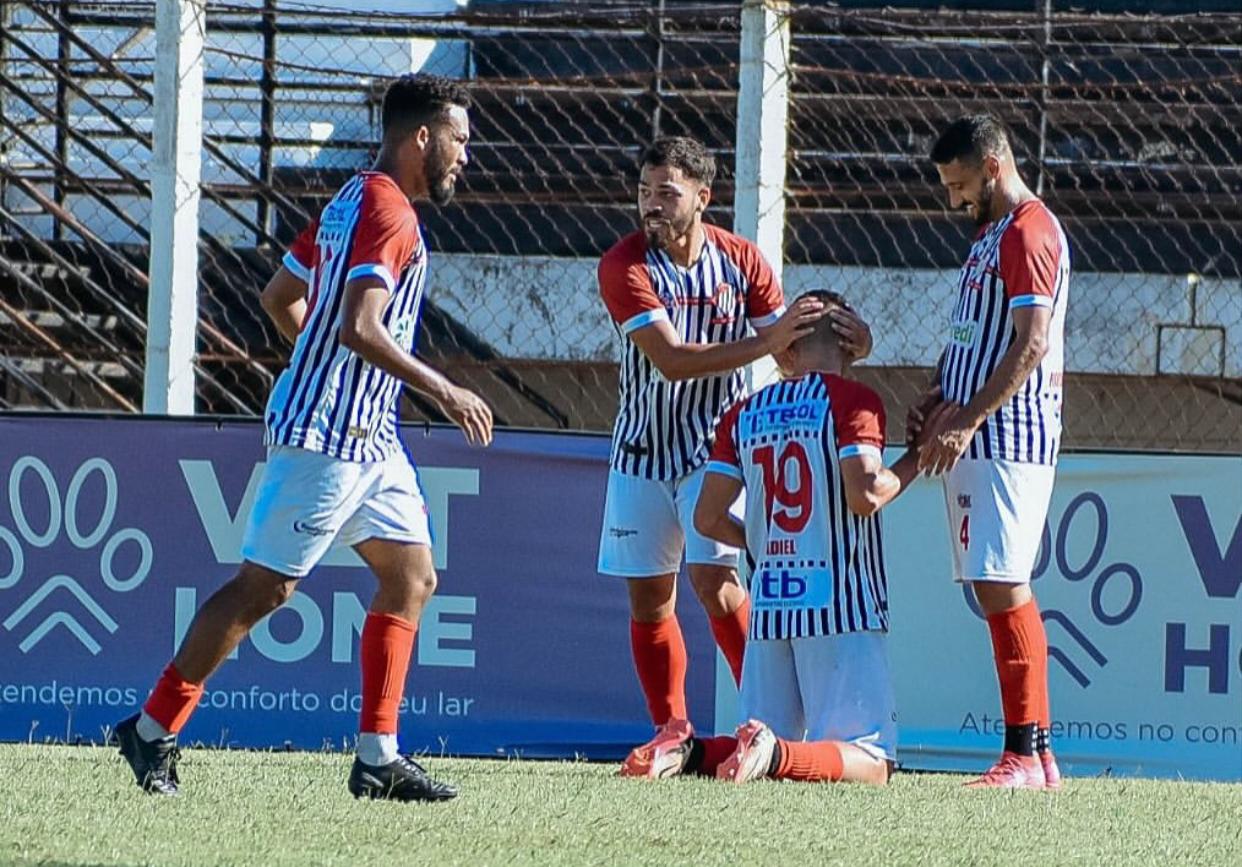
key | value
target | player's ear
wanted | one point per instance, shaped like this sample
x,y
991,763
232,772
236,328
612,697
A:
x,y
705,197
785,361
992,166
422,136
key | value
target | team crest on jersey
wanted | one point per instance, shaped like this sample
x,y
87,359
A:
x,y
723,297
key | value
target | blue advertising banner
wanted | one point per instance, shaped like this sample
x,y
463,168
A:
x,y
113,531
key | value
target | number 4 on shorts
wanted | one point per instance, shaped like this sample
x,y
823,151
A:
x,y
964,534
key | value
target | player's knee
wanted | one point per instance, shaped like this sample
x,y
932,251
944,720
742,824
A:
x,y
422,584
263,590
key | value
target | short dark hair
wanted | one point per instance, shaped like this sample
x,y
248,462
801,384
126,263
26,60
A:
x,y
415,100
822,331
682,152
970,139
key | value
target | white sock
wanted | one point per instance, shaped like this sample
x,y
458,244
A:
x,y
377,749
150,730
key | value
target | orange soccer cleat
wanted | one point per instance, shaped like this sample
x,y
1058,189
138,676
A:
x,y
753,757
664,755
1013,771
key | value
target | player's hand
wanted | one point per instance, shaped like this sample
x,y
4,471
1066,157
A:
x,y
470,413
916,416
946,440
853,332
796,321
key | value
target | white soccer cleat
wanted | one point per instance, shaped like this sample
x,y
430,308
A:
x,y
664,755
752,758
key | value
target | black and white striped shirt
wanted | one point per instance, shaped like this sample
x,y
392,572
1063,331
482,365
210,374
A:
x,y
664,429
329,400
819,568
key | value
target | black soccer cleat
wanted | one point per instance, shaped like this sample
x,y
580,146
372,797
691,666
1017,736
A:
x,y
154,763
400,780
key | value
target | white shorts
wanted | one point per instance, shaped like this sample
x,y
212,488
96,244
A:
x,y
823,688
308,501
996,518
647,523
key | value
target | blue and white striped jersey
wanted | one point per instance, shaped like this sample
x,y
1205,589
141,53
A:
x,y
329,400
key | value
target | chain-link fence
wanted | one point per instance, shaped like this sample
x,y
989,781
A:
x,y
1127,125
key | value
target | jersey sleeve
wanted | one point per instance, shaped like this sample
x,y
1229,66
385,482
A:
x,y
1030,258
386,237
765,302
724,458
299,259
858,416
625,286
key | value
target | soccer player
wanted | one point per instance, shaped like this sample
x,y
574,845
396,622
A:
x,y
682,294
815,686
1000,378
348,294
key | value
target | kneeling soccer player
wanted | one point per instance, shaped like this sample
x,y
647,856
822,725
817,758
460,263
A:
x,y
815,686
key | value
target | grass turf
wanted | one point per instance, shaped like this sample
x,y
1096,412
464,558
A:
x,y
78,805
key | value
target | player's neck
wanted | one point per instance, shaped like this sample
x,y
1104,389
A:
x,y
685,250
1010,194
387,163
821,362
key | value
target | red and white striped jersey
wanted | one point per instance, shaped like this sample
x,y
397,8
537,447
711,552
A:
x,y
664,429
329,400
818,568
1021,260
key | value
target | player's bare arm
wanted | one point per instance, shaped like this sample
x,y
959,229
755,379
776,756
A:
x,y
677,360
363,333
952,435
712,517
870,486
284,301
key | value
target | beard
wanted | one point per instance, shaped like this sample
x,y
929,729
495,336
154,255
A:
x,y
441,182
983,205
660,238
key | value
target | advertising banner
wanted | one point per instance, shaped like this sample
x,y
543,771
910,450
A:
x,y
113,531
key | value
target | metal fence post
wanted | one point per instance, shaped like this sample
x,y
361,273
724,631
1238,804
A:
x,y
172,302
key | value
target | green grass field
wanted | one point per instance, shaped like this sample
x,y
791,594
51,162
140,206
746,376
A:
x,y
66,805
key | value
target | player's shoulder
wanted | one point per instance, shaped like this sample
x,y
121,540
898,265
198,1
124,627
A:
x,y
629,250
381,193
1032,221
736,247
848,393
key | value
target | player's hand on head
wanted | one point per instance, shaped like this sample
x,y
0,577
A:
x,y
916,415
470,413
796,321
853,331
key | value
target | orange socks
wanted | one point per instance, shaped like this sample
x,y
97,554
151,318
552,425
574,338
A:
x,y
1020,647
173,700
660,660
384,651
810,761
730,633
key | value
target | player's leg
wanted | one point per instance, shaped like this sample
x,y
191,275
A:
x,y
713,575
770,705
997,511
302,500
390,532
641,542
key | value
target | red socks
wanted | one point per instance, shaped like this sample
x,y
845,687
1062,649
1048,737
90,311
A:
x,y
810,761
660,660
1020,647
384,651
173,700
715,751
730,633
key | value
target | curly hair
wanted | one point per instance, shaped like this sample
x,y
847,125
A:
x,y
415,100
682,152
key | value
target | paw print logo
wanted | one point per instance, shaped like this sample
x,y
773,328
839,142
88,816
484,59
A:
x,y
1109,596
44,519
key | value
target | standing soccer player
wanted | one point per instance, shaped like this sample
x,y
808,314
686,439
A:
x,y
816,693
348,295
681,294
1000,378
